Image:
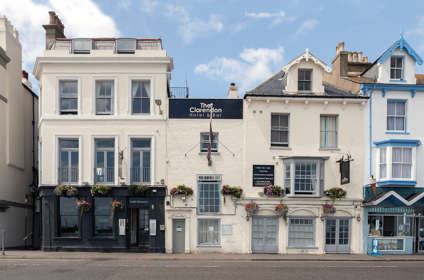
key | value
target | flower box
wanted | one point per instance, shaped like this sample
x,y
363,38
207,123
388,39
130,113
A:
x,y
335,193
64,190
273,190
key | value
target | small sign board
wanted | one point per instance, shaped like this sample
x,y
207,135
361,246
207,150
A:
x,y
227,229
121,226
263,175
137,202
193,108
152,227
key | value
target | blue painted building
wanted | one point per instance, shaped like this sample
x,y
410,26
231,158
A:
x,y
394,195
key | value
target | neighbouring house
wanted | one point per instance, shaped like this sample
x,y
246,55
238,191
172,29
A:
x,y
103,112
18,149
394,192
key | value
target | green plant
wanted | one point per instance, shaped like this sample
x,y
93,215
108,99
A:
x,y
335,193
282,210
83,205
139,190
65,190
100,190
328,209
116,204
273,190
233,191
181,190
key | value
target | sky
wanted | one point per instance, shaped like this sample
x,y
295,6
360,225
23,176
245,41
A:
x,y
216,42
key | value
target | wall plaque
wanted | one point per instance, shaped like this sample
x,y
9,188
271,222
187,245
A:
x,y
263,175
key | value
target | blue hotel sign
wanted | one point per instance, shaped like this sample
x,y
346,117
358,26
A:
x,y
201,108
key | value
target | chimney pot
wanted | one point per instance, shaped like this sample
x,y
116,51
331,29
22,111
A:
x,y
232,91
55,29
365,59
340,47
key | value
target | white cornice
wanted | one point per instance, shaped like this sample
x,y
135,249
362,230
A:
x,y
76,118
307,56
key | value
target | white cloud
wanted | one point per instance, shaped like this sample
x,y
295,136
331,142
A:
x,y
278,17
188,27
306,26
124,4
253,67
81,19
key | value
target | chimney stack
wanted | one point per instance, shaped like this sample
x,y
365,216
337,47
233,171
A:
x,y
55,29
25,79
339,47
232,91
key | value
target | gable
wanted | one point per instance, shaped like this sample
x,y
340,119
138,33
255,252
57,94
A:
x,y
400,44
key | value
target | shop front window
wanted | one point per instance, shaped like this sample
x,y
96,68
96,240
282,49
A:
x,y
390,225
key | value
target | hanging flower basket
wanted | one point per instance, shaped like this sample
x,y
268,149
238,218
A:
x,y
64,190
100,190
234,192
181,190
282,210
116,205
83,206
335,193
273,191
251,209
328,209
142,190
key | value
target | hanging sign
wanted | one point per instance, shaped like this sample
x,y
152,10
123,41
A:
x,y
201,108
121,226
263,175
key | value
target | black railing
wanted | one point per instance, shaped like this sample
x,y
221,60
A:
x,y
140,175
104,175
68,175
178,92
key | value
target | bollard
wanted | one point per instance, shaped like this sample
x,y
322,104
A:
x,y
3,238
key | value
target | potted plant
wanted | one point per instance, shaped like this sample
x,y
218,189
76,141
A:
x,y
65,190
100,190
142,190
83,206
251,209
234,192
328,209
282,210
273,190
116,205
335,193
181,191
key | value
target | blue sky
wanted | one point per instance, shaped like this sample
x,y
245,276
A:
x,y
216,42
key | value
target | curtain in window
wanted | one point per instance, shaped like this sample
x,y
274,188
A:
x,y
68,96
208,232
396,115
383,164
401,162
328,131
104,94
140,97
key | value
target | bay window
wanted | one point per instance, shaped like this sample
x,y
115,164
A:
x,y
304,176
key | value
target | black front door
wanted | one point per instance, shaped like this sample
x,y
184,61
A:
x,y
139,228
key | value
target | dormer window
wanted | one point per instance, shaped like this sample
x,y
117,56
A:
x,y
125,45
304,79
396,68
80,46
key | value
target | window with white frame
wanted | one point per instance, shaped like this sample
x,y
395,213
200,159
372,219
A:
x,y
396,115
104,97
208,232
396,163
68,161
141,160
304,79
209,194
204,142
396,67
328,131
68,97
280,130
140,94
304,176
105,161
301,232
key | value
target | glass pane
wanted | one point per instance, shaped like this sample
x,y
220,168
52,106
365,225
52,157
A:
x,y
64,160
103,105
141,143
136,105
104,88
140,88
400,108
74,159
136,159
68,143
406,171
209,198
399,123
68,103
407,155
102,205
390,123
275,120
68,206
105,143
145,105
396,170
391,108
68,88
110,159
68,225
103,225
396,154
383,155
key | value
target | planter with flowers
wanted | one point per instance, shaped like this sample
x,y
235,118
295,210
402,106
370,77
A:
x,y
251,209
116,205
64,190
282,210
234,192
273,191
335,193
181,191
100,190
141,190
328,209
83,206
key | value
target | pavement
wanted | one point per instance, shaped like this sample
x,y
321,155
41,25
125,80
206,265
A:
x,y
42,255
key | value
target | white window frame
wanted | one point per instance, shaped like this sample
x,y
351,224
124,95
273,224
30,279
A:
x,y
114,106
389,150
152,156
56,155
209,244
215,139
93,151
314,231
152,94
280,144
298,79
326,146
213,179
58,97
397,68
319,181
404,116
130,147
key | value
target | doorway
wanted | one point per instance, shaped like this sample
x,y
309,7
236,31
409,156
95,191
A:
x,y
264,234
337,235
420,235
139,228
178,236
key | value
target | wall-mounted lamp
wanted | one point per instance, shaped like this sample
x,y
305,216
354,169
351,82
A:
x,y
158,102
358,218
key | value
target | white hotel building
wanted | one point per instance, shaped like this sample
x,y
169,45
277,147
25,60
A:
x,y
108,117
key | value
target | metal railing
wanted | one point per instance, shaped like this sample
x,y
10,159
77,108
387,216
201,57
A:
x,y
68,175
140,175
104,175
178,92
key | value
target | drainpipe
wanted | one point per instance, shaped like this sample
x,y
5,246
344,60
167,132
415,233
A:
x,y
34,173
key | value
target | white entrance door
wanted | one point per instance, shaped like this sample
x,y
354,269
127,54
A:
x,y
264,234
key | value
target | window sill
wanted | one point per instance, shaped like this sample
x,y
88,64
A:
x,y
397,132
329,149
212,153
279,148
208,246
